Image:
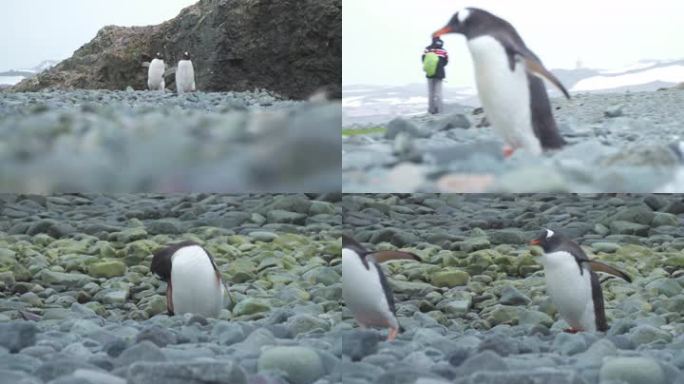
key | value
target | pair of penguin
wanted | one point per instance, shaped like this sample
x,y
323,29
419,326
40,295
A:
x,y
185,74
509,82
571,281
194,283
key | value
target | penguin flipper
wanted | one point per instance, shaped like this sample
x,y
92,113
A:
x,y
383,256
146,64
535,67
600,267
514,47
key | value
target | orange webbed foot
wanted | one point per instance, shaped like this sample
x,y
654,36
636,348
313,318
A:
x,y
393,332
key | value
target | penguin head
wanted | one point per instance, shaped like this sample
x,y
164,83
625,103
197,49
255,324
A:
x,y
458,23
186,55
471,22
548,240
159,56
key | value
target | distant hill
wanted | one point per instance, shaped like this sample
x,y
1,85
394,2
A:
x,y
13,76
647,75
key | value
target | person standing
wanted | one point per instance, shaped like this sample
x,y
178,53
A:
x,y
435,58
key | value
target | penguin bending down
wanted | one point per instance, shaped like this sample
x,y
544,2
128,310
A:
x,y
365,289
155,74
194,283
185,75
572,282
508,77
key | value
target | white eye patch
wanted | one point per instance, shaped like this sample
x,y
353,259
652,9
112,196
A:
x,y
549,233
463,15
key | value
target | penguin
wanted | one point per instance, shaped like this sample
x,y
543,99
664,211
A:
x,y
572,282
155,74
365,289
508,77
194,283
185,75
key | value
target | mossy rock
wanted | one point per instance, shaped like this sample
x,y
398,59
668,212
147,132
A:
x,y
675,260
479,261
450,278
251,306
241,271
107,269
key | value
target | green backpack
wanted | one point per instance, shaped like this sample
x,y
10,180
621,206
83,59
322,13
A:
x,y
430,63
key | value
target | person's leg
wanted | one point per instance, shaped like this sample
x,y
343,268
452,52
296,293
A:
x,y
431,96
439,102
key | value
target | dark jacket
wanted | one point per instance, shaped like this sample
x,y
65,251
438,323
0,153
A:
x,y
443,61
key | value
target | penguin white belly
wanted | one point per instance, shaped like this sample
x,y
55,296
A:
x,y
504,94
185,77
570,292
155,75
195,286
363,293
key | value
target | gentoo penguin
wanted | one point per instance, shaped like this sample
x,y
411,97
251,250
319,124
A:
x,y
572,282
365,289
155,74
185,75
194,283
506,72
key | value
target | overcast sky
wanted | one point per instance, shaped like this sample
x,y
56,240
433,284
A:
x,y
383,39
35,30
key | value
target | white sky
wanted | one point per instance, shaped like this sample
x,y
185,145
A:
x,y
35,30
383,39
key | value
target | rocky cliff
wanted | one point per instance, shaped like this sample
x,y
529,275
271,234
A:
x,y
292,47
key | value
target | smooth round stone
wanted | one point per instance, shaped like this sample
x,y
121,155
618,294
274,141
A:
x,y
302,365
632,370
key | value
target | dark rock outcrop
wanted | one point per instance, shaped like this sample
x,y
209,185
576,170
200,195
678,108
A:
x,y
292,47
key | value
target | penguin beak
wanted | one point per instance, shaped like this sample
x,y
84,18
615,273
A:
x,y
535,242
443,31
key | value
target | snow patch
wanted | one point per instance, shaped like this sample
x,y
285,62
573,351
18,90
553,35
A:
x,y
669,74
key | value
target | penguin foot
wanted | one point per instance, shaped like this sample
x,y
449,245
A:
x,y
508,151
571,330
392,334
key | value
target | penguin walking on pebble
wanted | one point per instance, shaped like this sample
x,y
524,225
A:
x,y
194,283
508,77
572,282
365,289
155,74
185,75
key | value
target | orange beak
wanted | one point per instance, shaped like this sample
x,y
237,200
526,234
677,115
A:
x,y
443,31
535,242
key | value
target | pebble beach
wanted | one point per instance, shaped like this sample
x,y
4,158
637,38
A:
x,y
475,310
78,303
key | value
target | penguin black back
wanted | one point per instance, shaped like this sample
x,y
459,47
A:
x,y
544,124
